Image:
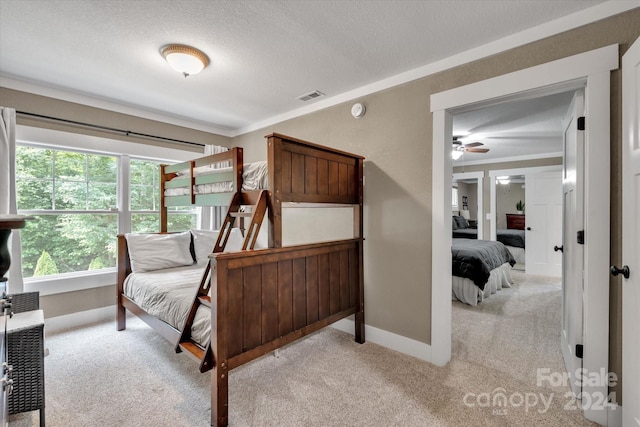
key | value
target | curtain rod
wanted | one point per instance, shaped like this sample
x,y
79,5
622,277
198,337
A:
x,y
110,129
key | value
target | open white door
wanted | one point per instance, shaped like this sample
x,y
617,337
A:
x,y
630,236
573,251
543,197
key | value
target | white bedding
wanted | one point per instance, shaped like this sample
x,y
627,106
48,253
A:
x,y
465,290
254,177
168,294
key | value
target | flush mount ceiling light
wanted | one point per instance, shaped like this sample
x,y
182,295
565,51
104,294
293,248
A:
x,y
504,180
185,59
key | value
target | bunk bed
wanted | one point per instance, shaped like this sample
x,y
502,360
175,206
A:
x,y
480,268
255,301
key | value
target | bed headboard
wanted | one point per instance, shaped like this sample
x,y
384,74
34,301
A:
x,y
304,172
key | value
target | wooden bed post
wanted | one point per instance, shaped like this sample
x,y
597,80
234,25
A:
x,y
163,207
219,345
358,219
274,153
124,268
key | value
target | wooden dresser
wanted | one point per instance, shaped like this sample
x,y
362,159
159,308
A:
x,y
515,221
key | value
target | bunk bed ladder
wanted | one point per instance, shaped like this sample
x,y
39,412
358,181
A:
x,y
186,343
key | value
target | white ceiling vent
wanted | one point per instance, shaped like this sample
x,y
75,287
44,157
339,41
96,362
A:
x,y
311,95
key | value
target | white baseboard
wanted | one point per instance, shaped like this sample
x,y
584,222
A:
x,y
53,324
388,339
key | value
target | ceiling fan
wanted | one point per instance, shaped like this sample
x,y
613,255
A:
x,y
459,148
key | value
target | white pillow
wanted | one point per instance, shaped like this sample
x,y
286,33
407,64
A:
x,y
149,252
205,240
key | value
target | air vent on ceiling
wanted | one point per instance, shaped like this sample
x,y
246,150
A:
x,y
311,95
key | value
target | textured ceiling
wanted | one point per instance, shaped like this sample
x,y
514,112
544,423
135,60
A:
x,y
514,130
264,53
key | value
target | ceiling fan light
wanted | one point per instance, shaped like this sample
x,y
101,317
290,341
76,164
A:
x,y
185,59
456,154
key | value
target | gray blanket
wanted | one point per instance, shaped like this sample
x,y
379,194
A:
x,y
474,259
511,237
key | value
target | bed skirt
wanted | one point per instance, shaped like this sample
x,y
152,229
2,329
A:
x,y
466,291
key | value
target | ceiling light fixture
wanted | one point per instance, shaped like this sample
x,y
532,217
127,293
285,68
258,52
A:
x,y
456,153
185,59
504,180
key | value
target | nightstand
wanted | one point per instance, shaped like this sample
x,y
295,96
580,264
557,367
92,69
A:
x,y
25,354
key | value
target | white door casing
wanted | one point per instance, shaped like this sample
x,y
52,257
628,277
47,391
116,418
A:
x,y
556,202
631,236
543,196
573,253
590,70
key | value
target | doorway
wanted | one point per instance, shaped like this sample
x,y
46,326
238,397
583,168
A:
x,y
590,70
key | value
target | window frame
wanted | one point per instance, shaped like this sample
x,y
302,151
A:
x,y
87,144
454,199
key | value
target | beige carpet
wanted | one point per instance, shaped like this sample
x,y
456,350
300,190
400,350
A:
x,y
96,376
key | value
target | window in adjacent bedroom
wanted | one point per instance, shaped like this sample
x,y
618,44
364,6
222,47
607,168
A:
x,y
454,199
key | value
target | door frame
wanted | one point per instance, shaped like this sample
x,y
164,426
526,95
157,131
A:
x,y
630,246
493,173
592,71
479,177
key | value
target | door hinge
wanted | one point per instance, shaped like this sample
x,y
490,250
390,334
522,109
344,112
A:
x,y
579,351
581,123
581,237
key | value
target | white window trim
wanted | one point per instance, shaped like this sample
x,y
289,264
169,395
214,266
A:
x,y
59,140
454,200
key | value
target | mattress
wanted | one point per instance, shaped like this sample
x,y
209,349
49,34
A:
x,y
168,294
254,177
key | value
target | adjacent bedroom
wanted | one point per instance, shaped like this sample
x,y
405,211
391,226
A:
x,y
507,232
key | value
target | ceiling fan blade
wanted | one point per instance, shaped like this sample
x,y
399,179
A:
x,y
473,144
476,150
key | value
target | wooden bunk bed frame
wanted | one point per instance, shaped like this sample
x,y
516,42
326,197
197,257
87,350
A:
x,y
264,299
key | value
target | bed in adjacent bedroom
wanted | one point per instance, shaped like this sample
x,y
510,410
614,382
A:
x,y
480,268
513,239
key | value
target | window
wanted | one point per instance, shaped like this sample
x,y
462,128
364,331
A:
x,y
72,197
76,198
144,201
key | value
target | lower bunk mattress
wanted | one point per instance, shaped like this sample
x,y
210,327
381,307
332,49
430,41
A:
x,y
168,294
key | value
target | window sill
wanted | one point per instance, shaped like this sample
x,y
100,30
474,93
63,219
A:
x,y
70,282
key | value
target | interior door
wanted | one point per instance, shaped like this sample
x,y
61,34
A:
x,y
631,236
573,252
543,218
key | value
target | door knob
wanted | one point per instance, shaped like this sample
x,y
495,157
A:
x,y
558,248
624,271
